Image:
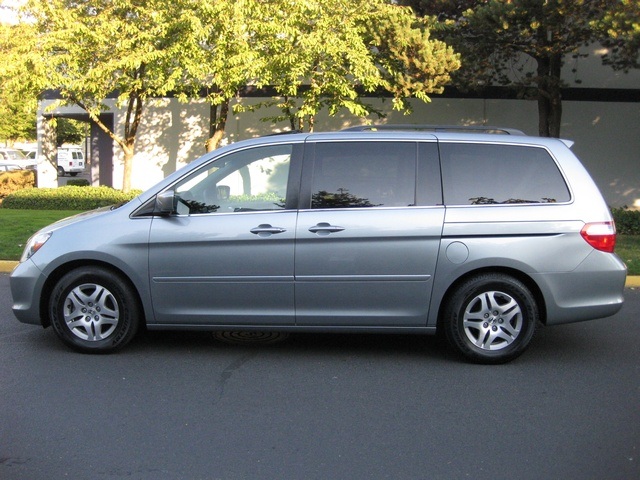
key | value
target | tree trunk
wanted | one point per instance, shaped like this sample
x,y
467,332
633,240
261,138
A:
x,y
549,96
128,166
217,125
131,124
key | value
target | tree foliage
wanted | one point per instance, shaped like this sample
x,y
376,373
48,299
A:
x,y
316,53
619,27
524,43
328,53
17,103
93,50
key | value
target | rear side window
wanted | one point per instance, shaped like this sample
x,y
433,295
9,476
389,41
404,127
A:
x,y
364,174
478,174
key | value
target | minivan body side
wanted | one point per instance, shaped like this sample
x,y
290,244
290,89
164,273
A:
x,y
354,230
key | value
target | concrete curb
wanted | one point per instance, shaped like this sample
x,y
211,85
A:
x,y
633,282
8,266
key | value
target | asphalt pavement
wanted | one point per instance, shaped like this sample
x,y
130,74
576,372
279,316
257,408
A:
x,y
176,405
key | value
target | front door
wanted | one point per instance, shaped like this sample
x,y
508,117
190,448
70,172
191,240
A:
x,y
226,256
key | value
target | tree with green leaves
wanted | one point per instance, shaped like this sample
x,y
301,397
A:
x,y
222,58
18,104
93,50
329,53
323,54
619,27
525,43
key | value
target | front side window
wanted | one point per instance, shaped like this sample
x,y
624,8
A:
x,y
250,180
364,174
484,174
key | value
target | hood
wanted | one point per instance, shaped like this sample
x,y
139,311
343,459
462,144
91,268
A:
x,y
80,217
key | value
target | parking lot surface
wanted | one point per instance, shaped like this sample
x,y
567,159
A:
x,y
186,406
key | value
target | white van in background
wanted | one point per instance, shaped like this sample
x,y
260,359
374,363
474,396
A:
x,y
70,160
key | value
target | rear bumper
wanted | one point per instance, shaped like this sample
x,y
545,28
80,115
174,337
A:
x,y
594,290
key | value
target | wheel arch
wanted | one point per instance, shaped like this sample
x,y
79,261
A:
x,y
63,269
517,274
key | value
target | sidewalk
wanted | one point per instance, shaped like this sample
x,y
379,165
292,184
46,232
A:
x,y
7,267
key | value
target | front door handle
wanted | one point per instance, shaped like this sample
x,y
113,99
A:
x,y
266,230
324,228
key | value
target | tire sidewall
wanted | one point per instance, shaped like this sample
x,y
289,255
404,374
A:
x,y
127,306
468,291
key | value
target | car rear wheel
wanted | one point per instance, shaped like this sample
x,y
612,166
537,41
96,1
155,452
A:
x,y
490,318
93,310
60,172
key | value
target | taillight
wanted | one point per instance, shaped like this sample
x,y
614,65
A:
x,y
601,236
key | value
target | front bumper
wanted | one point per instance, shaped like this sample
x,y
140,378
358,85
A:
x,y
27,282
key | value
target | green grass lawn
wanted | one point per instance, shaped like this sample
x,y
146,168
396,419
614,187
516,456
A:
x,y
628,249
16,226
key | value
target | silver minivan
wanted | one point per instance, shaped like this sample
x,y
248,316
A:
x,y
480,236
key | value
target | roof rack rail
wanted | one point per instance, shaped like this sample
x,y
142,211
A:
x,y
286,132
438,128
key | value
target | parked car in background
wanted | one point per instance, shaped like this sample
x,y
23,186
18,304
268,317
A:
x,y
31,154
16,157
70,161
481,236
9,167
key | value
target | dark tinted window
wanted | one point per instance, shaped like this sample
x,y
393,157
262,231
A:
x,y
364,174
476,174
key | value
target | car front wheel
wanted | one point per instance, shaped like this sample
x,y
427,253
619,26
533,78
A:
x,y
93,310
491,318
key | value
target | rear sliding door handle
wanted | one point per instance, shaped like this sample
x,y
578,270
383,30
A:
x,y
265,230
325,228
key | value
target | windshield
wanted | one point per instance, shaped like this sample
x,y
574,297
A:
x,y
13,155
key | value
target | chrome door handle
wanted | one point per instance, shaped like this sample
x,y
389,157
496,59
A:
x,y
324,228
265,230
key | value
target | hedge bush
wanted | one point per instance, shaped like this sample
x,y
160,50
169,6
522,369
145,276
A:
x,y
66,198
627,221
11,182
78,182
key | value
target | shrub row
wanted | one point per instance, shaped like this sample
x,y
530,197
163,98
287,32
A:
x,y
627,221
11,182
66,198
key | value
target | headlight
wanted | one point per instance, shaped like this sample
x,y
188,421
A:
x,y
34,244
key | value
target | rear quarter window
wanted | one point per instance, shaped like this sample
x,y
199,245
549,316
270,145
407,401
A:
x,y
484,174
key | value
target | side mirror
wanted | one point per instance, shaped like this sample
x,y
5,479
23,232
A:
x,y
165,203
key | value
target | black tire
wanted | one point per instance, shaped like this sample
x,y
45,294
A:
x,y
60,172
92,310
490,318
73,174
